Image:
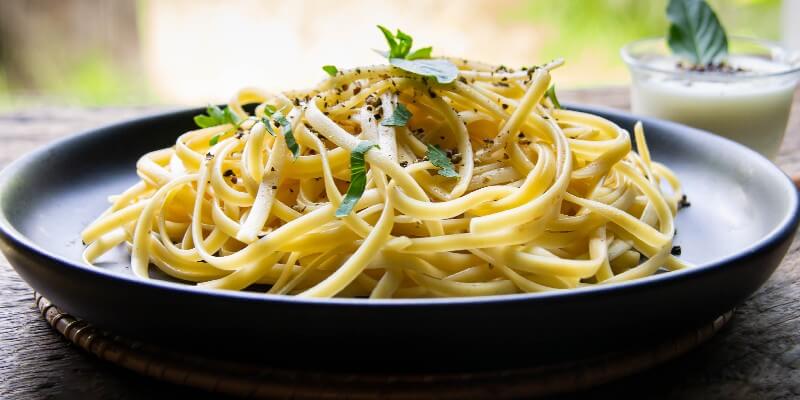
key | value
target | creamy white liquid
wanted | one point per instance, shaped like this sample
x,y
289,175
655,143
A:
x,y
753,112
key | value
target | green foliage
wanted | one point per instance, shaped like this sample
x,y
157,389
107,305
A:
x,y
358,178
439,158
330,69
399,117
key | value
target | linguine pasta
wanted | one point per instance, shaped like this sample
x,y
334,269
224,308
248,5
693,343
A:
x,y
540,198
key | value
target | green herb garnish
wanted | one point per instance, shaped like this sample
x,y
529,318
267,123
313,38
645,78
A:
x,y
216,116
424,52
695,33
439,158
268,124
286,127
358,179
442,70
551,94
399,43
419,61
330,69
399,117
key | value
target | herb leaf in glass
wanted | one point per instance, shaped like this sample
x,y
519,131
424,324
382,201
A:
x,y
737,87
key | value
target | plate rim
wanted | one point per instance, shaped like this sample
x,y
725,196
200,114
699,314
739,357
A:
x,y
784,228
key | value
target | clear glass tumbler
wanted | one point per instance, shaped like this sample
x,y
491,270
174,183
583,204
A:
x,y
748,102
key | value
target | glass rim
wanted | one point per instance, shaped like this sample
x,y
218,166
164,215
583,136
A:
x,y
792,64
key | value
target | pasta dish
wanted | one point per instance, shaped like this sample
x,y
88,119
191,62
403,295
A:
x,y
423,177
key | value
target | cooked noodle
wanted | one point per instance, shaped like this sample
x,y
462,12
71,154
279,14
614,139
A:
x,y
545,198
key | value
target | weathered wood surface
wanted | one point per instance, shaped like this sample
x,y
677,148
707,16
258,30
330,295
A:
x,y
757,356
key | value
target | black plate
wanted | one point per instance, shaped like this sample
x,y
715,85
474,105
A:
x,y
742,219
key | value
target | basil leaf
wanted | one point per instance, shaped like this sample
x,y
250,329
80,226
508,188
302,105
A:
x,y
214,117
389,39
404,42
551,94
695,33
268,124
439,158
400,46
214,140
442,70
230,117
399,117
330,69
216,113
358,179
424,52
217,116
286,127
204,121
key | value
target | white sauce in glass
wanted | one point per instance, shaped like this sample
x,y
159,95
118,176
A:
x,y
742,106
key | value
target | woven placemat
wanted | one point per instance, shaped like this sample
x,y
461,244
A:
x,y
254,381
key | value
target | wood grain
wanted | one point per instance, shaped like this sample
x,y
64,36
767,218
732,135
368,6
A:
x,y
756,356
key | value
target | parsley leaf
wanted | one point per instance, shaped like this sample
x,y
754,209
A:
x,y
440,69
551,94
286,127
358,179
399,117
695,33
330,69
438,158
418,62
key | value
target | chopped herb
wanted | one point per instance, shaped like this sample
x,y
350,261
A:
x,y
358,179
399,43
399,117
214,140
551,94
216,116
424,52
439,159
695,33
268,125
269,109
286,127
330,69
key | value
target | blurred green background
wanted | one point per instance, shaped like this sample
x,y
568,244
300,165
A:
x,y
99,53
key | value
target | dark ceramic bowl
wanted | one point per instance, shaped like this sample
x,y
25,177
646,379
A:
x,y
743,216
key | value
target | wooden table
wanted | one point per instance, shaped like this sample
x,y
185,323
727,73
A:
x,y
757,356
